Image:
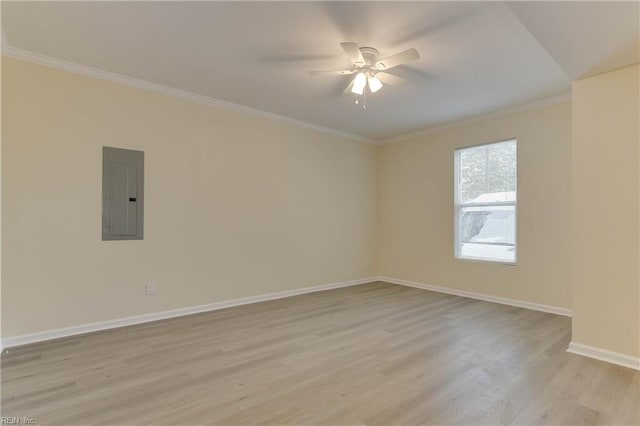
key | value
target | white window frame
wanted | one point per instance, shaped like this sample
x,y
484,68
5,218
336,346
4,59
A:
x,y
458,206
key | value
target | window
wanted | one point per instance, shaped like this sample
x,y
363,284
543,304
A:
x,y
485,202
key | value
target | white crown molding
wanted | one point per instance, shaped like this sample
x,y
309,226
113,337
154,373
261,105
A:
x,y
73,67
479,296
542,103
604,355
57,333
60,64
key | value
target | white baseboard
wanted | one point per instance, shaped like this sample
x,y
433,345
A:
x,y
487,298
57,333
575,348
604,355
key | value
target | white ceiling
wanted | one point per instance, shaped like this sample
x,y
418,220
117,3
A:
x,y
585,38
477,57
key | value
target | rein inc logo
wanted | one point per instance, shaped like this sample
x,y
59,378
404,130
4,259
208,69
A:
x,y
6,420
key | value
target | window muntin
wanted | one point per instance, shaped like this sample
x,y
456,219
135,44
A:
x,y
485,202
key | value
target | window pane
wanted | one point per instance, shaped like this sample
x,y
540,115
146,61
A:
x,y
486,252
473,177
487,169
489,225
488,232
501,167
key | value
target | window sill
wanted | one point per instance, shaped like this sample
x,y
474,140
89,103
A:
x,y
485,261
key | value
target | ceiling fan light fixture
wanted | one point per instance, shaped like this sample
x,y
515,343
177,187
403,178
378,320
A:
x,y
366,67
358,84
374,83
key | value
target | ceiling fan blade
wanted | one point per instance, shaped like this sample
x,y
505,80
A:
x,y
353,52
390,79
332,72
398,59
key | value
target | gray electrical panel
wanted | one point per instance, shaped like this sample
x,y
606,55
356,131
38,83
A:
x,y
122,194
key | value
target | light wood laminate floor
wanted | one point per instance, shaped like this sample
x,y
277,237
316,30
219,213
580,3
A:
x,y
373,354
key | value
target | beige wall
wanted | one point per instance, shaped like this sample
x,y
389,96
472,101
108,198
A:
x,y
417,211
605,213
235,205
238,205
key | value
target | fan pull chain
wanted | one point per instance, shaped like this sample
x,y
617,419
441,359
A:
x,y
364,99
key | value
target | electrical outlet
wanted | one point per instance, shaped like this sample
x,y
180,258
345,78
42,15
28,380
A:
x,y
150,289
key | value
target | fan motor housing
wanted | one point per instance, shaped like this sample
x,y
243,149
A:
x,y
370,55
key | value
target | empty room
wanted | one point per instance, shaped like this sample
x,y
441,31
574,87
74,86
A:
x,y
320,213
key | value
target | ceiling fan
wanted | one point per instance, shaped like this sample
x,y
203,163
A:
x,y
368,69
